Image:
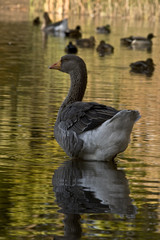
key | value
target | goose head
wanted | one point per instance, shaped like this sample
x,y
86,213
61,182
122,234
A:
x,y
69,63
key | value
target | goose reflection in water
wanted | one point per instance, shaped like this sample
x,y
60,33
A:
x,y
90,187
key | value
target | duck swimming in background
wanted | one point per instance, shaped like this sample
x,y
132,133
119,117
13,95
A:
x,y
71,48
86,42
104,29
142,41
57,27
138,41
89,130
74,33
126,41
36,21
104,48
144,67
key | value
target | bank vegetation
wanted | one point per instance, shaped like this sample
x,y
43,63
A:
x,y
138,9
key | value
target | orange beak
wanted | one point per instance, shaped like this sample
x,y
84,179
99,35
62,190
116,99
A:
x,y
56,66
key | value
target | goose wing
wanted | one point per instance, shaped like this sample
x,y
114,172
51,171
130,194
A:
x,y
81,116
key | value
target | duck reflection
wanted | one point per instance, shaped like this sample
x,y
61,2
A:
x,y
90,187
44,39
142,48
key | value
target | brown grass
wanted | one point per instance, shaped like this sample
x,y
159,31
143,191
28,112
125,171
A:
x,y
138,9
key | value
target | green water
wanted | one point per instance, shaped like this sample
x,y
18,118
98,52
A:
x,y
43,194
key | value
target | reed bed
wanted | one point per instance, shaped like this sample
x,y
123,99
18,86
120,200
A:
x,y
138,9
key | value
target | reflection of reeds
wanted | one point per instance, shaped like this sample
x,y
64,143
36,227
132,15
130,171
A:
x,y
139,9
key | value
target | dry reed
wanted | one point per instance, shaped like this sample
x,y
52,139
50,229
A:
x,y
138,9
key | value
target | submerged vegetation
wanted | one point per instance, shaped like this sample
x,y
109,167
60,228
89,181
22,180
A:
x,y
144,9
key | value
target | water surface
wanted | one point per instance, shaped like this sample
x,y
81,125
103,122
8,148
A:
x,y
43,193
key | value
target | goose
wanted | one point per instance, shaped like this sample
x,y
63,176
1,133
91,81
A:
x,y
86,42
104,48
104,29
89,130
144,67
49,27
71,48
